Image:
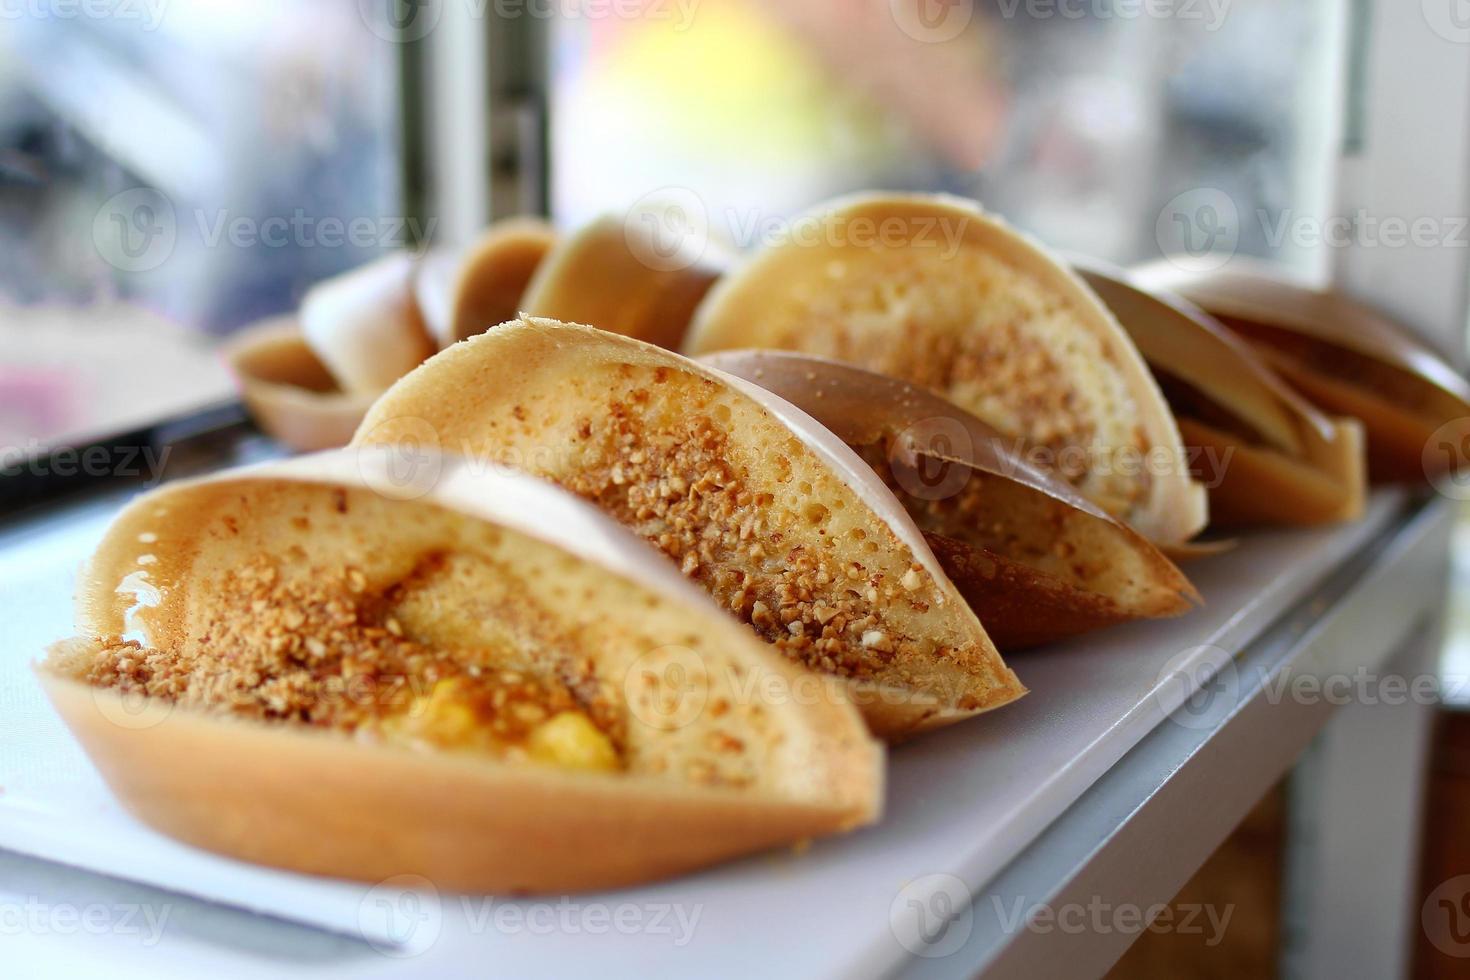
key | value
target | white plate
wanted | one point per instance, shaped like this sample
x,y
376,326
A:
x,y
962,801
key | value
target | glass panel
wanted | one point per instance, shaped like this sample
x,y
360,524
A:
x,y
1089,122
169,171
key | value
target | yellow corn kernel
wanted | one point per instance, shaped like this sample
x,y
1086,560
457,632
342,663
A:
x,y
569,739
440,716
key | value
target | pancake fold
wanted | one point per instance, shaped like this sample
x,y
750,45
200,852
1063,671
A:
x,y
340,666
750,497
1035,560
932,290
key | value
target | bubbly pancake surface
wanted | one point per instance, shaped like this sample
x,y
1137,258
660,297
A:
x,y
987,336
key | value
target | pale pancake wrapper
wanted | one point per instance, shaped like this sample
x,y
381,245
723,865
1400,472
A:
x,y
934,291
615,274
1345,357
1267,456
289,392
1035,560
283,794
463,293
768,511
365,324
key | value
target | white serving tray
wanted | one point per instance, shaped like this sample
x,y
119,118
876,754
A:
x,y
963,801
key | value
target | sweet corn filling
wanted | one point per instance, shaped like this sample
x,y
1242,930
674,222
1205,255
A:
x,y
989,338
323,650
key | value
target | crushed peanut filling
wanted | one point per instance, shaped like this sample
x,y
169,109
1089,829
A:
x,y
673,483
994,517
990,339
324,650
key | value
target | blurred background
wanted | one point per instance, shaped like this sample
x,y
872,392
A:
x,y
174,170
171,170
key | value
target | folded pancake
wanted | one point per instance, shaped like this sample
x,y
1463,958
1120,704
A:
x,y
773,515
1035,560
365,324
933,291
464,292
617,274
343,666
1265,454
1345,357
289,392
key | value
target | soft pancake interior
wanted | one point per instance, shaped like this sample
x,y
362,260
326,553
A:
x,y
411,625
1016,523
706,473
